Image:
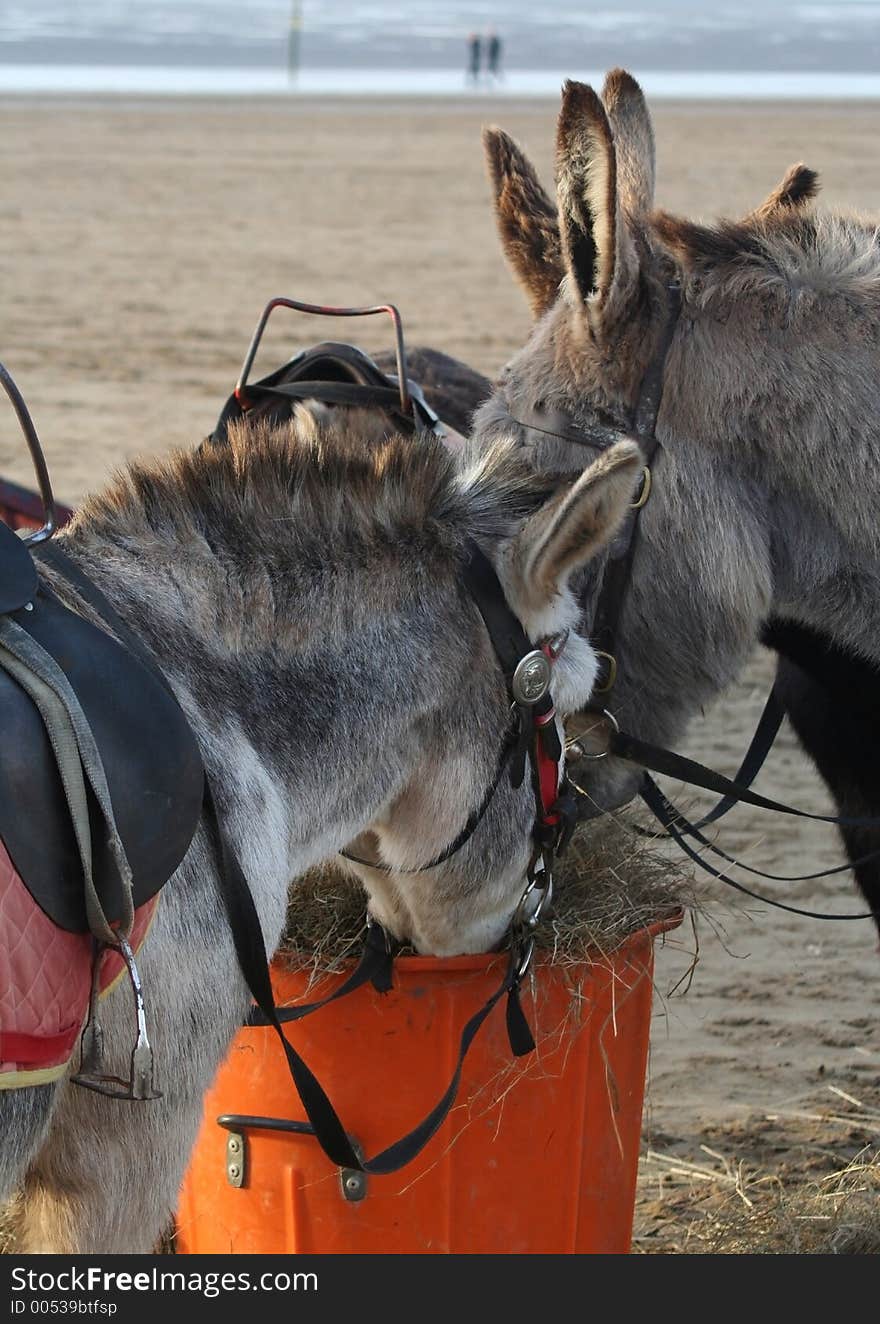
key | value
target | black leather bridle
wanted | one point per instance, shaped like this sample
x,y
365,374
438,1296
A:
x,y
642,428
604,635
531,736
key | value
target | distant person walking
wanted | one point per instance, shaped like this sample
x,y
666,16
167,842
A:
x,y
474,57
493,54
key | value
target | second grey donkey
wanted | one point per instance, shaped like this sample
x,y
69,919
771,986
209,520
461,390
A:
x,y
762,517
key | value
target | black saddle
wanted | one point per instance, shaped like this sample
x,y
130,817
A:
x,y
337,374
152,761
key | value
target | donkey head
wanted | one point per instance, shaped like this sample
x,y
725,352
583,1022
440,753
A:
x,y
597,265
465,902
596,284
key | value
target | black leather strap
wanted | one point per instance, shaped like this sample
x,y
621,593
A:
x,y
755,757
669,817
618,573
655,759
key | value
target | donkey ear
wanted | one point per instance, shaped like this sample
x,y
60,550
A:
x,y
630,122
798,186
596,247
575,524
526,221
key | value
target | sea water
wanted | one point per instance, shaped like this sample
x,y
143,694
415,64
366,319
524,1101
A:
x,y
678,48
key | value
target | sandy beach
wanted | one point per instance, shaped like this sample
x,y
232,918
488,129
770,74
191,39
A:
x,y
140,242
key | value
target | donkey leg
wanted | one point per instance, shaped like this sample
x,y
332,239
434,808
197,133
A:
x,y
840,730
25,1115
106,1182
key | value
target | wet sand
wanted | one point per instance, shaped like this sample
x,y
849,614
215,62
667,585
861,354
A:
x,y
140,242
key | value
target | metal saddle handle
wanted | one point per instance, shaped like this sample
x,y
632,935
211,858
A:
x,y
328,310
37,458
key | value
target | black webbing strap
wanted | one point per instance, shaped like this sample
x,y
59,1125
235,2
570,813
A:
x,y
374,967
328,1129
668,816
664,761
753,761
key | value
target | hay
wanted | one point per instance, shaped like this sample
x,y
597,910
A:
x,y
801,1183
609,885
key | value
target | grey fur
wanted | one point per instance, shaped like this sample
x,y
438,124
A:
x,y
302,593
764,490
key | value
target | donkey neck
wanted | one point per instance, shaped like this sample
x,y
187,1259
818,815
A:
x,y
312,722
777,400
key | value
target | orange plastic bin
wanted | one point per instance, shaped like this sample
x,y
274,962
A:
x,y
540,1154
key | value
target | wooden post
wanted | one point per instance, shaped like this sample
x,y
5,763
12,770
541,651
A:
x,y
293,39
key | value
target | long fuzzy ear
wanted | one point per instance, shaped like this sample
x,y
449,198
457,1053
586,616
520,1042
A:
x,y
798,186
630,122
598,252
526,220
572,527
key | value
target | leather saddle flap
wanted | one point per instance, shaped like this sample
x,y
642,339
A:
x,y
152,762
18,574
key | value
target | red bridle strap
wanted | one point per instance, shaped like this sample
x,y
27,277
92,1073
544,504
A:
x,y
549,775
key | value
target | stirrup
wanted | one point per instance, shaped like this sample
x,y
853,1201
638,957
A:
x,y
92,1074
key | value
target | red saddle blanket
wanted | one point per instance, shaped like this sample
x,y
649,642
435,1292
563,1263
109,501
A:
x,y
45,978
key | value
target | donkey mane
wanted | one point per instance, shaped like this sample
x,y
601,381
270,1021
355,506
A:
x,y
784,251
321,487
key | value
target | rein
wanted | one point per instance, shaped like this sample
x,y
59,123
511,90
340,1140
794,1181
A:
x,y
653,758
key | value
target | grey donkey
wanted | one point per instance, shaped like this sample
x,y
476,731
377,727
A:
x,y
302,592
761,521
